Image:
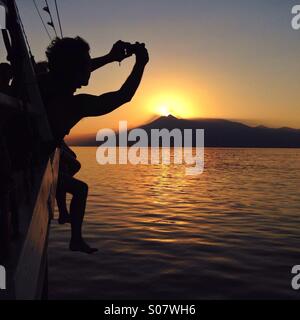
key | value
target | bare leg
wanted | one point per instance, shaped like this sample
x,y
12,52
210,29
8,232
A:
x,y
79,191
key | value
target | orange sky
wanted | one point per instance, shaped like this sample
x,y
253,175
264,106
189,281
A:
x,y
238,60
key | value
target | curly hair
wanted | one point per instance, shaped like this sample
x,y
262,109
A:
x,y
66,52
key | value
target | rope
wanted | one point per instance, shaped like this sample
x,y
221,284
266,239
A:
x,y
51,23
43,22
58,18
24,33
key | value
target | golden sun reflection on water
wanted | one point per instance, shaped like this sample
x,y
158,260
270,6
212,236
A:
x,y
182,236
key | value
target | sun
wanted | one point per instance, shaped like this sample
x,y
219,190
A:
x,y
171,102
164,111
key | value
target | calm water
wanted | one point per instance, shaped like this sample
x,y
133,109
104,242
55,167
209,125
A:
x,y
232,232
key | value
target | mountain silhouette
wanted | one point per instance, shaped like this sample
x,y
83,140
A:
x,y
221,133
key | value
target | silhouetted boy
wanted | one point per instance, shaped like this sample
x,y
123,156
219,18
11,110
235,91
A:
x,y
70,67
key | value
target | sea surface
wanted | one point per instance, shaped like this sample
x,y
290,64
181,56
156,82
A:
x,y
232,232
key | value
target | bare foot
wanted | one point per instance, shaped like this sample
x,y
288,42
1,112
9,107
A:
x,y
81,246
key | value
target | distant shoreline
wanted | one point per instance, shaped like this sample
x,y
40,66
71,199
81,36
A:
x,y
218,133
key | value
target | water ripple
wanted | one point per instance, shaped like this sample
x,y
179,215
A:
x,y
233,232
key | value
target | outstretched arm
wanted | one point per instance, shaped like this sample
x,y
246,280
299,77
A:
x,y
117,54
89,105
98,63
